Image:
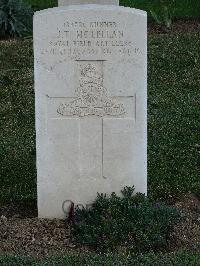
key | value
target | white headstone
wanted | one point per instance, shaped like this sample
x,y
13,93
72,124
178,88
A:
x,y
91,103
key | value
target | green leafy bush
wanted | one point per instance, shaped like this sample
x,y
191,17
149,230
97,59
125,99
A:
x,y
41,4
15,18
162,11
118,222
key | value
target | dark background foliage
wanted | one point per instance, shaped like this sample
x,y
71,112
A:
x,y
186,8
15,18
16,15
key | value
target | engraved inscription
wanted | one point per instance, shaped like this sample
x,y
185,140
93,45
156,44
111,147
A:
x,y
91,97
78,38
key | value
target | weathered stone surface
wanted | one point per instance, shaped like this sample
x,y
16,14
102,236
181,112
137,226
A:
x,y
90,86
80,2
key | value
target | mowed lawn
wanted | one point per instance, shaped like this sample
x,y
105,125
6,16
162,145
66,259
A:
x,y
93,259
173,118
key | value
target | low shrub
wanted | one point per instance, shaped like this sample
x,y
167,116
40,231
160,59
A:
x,y
15,18
131,221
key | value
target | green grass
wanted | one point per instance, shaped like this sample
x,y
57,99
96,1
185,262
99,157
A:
x,y
17,135
186,8
76,259
173,113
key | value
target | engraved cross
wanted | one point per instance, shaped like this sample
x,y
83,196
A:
x,y
91,106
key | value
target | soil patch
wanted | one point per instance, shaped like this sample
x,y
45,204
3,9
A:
x,y
186,235
178,27
42,237
33,237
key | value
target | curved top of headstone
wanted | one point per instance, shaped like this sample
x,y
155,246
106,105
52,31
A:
x,y
85,2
